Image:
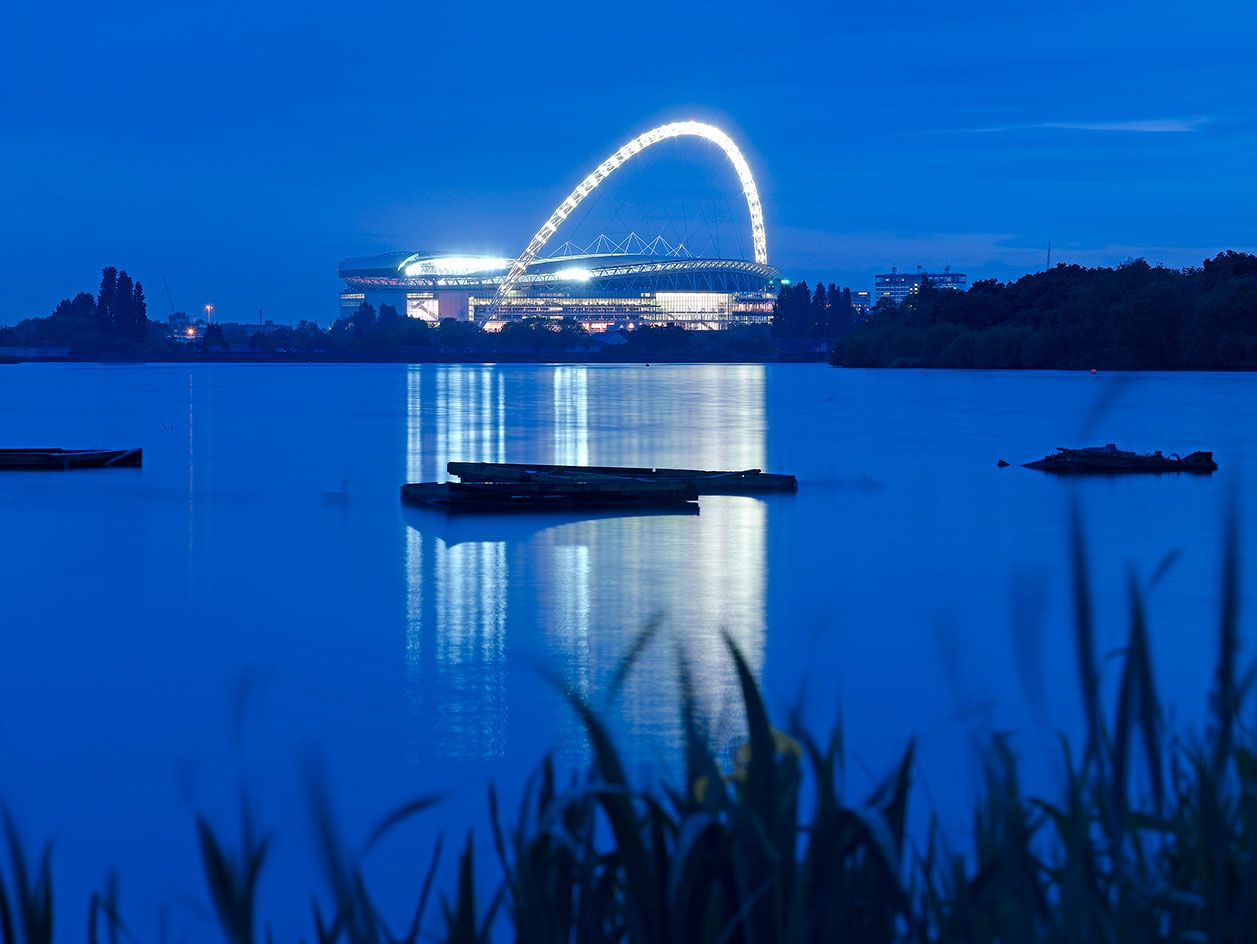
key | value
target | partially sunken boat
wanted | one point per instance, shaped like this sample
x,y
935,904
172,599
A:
x,y
1108,459
63,459
538,496
743,482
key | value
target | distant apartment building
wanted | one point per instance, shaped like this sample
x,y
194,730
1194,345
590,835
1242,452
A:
x,y
897,285
861,303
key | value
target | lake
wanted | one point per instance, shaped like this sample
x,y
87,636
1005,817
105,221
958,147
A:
x,y
255,602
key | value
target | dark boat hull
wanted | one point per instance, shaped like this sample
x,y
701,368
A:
x,y
746,481
1109,460
541,496
65,459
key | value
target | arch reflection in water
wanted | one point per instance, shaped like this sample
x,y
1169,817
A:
x,y
493,599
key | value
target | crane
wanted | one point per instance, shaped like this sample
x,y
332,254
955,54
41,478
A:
x,y
169,298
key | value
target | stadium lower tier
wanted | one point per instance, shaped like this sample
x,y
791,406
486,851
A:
x,y
694,310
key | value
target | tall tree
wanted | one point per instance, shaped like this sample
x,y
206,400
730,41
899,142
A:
x,y
792,311
818,313
847,314
139,313
105,298
122,314
801,309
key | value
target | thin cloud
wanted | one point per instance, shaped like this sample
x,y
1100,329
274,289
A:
x,y
1137,126
1153,126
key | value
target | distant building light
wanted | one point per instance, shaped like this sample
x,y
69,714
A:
x,y
897,285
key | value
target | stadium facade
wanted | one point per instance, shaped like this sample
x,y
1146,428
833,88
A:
x,y
603,286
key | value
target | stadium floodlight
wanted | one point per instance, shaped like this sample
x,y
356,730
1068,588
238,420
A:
x,y
573,275
455,265
604,170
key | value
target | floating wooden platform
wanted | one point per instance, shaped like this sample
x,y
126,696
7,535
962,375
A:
x,y
62,459
1109,460
539,496
746,481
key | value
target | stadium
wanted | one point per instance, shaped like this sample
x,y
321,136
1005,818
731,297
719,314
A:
x,y
604,285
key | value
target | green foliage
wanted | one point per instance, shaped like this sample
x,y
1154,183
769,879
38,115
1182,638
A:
x,y
1134,316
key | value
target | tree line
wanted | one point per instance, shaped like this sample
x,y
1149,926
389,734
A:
x,y
821,315
116,317
1134,316
385,332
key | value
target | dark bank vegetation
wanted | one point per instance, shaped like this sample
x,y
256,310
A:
x,y
1152,838
372,333
114,319
819,316
1132,317
114,323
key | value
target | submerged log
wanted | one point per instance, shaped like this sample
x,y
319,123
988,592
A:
x,y
1108,459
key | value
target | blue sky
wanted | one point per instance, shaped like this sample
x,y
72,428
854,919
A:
x,y
242,150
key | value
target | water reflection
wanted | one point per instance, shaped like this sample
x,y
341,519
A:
x,y
491,599
571,416
470,585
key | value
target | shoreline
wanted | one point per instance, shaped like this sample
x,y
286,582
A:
x,y
471,357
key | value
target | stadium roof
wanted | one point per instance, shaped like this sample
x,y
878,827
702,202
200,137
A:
x,y
604,270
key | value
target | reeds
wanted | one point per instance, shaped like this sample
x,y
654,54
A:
x,y
1153,837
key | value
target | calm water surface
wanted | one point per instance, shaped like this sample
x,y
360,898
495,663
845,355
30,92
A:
x,y
256,601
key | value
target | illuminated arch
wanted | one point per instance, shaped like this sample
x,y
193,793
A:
x,y
674,130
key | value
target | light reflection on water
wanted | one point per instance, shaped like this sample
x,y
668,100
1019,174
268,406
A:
x,y
592,583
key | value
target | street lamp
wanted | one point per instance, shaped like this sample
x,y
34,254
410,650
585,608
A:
x,y
209,313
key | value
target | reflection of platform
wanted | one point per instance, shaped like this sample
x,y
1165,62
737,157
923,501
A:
x,y
508,526
548,496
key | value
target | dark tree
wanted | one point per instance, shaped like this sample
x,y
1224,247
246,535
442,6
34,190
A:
x,y
364,317
455,335
122,313
388,313
818,313
846,314
792,311
781,313
82,306
214,338
105,298
139,313
259,341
